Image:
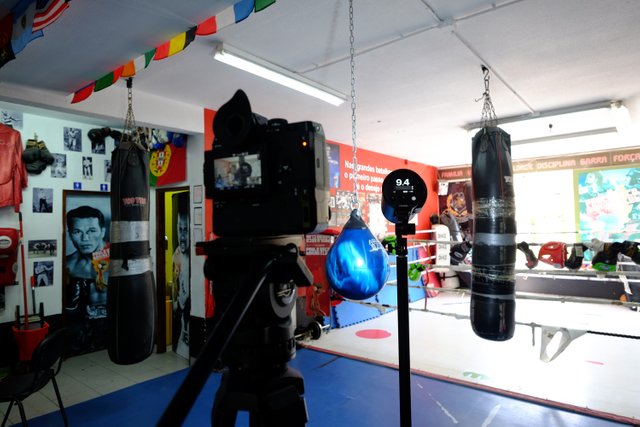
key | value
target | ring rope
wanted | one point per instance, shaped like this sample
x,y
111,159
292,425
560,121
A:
x,y
532,325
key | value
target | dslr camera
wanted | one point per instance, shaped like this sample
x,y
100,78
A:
x,y
266,178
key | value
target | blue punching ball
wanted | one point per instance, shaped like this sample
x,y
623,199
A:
x,y
357,264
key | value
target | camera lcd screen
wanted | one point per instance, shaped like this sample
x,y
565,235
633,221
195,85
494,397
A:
x,y
238,172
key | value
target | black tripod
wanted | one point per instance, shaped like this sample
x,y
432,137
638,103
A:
x,y
274,399
253,337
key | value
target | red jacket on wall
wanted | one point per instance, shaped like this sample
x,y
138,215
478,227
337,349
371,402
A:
x,y
13,172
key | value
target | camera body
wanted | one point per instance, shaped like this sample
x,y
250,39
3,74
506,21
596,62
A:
x,y
266,177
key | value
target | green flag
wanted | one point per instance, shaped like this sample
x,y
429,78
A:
x,y
263,4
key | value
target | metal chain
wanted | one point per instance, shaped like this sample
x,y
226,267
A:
x,y
489,117
352,53
130,130
129,121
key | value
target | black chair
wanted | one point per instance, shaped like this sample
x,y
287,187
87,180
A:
x,y
43,368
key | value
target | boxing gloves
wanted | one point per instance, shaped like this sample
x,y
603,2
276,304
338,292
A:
x,y
36,156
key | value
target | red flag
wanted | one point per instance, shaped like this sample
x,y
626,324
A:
x,y
83,93
168,165
207,27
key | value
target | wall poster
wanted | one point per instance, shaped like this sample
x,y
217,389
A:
x,y
86,221
608,203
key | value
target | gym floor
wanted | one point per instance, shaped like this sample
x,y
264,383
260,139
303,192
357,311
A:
x,y
596,374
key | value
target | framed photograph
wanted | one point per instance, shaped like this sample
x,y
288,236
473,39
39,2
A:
x,y
197,216
86,222
197,194
87,167
42,200
43,273
59,167
72,139
43,248
107,170
11,118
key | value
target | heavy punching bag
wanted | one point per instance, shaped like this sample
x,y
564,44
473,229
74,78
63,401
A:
x,y
494,246
131,292
131,305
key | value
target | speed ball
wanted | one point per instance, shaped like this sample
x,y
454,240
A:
x,y
357,265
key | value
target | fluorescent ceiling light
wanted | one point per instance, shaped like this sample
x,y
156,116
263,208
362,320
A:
x,y
277,74
595,119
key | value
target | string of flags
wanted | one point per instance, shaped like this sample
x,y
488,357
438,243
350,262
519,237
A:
x,y
24,23
235,13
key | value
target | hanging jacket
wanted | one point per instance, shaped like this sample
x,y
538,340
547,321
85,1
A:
x,y
13,172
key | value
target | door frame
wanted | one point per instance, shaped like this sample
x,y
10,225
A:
x,y
161,278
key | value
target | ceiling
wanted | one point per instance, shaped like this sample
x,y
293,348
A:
x,y
418,62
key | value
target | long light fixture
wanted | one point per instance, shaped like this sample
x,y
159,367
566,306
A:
x,y
277,74
587,120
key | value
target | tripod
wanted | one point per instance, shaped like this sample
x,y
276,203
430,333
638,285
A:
x,y
253,337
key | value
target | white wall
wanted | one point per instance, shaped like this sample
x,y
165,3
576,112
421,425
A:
x,y
47,114
195,161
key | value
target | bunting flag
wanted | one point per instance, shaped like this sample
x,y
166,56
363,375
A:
x,y
168,165
233,14
83,93
263,4
47,12
243,9
23,14
207,27
6,30
175,45
140,63
108,79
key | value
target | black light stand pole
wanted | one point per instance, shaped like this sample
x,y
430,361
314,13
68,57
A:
x,y
404,194
404,353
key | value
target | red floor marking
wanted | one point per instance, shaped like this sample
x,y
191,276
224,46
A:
x,y
594,362
373,334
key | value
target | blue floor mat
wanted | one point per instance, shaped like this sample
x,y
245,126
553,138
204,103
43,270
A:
x,y
339,392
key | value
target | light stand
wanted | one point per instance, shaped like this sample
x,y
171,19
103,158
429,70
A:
x,y
403,227
403,195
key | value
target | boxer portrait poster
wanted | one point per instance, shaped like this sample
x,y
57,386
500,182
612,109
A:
x,y
86,220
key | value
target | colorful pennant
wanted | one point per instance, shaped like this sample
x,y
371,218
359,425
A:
x,y
48,12
23,14
175,45
140,63
83,93
231,15
108,79
24,23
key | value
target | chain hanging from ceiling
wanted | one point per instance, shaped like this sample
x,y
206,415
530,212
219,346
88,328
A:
x,y
355,203
489,118
131,132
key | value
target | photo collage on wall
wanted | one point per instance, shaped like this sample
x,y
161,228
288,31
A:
x,y
608,204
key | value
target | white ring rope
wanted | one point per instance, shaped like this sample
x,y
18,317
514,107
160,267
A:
x,y
532,325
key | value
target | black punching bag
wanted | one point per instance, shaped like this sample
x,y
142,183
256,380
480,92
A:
x,y
131,306
494,234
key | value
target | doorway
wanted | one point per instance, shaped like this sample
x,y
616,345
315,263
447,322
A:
x,y
173,269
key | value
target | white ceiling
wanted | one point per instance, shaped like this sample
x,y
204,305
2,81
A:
x,y
418,62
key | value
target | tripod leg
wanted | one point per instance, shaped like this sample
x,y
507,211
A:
x,y
222,414
284,408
